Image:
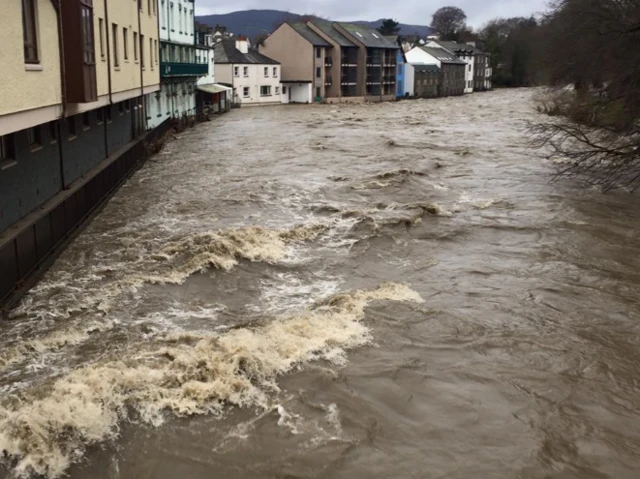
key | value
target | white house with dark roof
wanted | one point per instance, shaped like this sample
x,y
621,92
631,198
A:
x,y
464,52
254,77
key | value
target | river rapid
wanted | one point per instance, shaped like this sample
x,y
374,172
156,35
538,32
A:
x,y
355,291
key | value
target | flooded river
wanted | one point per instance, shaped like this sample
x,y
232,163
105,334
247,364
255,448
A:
x,y
366,291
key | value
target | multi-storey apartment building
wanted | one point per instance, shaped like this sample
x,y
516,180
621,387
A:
x,y
306,61
74,75
340,61
182,63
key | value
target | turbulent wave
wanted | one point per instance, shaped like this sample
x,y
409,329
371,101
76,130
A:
x,y
170,263
44,432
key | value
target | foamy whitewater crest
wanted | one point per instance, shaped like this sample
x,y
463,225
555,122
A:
x,y
44,432
171,263
37,349
287,292
479,204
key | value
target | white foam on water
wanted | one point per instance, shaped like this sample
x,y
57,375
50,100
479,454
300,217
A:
x,y
42,432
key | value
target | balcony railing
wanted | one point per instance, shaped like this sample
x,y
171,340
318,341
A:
x,y
174,69
328,62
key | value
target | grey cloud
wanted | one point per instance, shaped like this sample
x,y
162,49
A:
x,y
419,13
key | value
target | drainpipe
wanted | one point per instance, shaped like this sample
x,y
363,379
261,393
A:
x,y
63,89
143,113
108,41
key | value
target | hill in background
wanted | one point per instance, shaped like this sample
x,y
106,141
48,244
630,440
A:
x,y
253,22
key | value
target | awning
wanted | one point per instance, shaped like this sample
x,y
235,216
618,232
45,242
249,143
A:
x,y
213,88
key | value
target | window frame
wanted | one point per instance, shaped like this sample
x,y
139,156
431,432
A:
x,y
86,121
125,43
275,72
7,151
30,29
101,33
34,138
267,89
135,47
116,53
246,92
72,132
245,72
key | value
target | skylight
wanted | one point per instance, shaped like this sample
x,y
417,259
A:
x,y
375,35
358,33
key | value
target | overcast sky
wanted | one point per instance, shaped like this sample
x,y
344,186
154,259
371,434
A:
x,y
415,12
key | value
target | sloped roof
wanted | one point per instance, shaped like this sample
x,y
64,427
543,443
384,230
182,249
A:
x,y
335,35
311,36
454,47
370,37
226,52
443,55
420,68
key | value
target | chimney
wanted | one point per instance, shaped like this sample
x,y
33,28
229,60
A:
x,y
242,44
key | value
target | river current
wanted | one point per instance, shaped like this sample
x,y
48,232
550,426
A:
x,y
390,290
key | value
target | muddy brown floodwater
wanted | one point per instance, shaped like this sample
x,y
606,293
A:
x,y
373,291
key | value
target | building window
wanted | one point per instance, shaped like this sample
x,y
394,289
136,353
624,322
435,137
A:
x,y
107,111
87,35
277,90
34,137
142,50
101,32
246,72
318,72
245,92
127,105
318,92
53,131
7,152
30,34
318,52
121,108
284,90
116,56
275,72
236,71
71,127
100,115
135,46
266,72
125,42
86,122
156,49
265,91
151,50
149,6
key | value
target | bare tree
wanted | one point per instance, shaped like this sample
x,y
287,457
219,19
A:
x,y
596,128
448,21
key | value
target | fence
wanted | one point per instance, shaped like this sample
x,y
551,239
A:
x,y
27,255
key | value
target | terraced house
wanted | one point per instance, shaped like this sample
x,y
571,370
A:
x,y
182,63
74,75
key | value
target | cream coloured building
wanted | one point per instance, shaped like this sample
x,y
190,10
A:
x,y
74,74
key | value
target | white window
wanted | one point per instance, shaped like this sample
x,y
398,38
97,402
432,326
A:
x,y
275,72
245,92
266,72
277,90
236,71
265,91
246,72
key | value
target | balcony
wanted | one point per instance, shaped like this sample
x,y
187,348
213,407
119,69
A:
x,y
174,69
328,81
